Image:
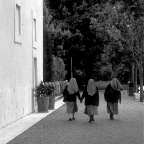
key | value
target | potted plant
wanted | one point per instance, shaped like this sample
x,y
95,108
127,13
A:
x,y
51,97
42,92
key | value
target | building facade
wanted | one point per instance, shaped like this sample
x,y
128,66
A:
x,y
21,57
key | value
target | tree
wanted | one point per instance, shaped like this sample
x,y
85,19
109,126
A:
x,y
94,29
127,28
47,45
58,68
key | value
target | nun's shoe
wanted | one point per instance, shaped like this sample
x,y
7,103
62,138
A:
x,y
70,119
111,117
92,119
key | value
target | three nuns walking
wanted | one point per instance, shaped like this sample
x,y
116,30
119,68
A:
x,y
91,96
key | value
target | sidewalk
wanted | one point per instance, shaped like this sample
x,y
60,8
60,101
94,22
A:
x,y
127,128
10,132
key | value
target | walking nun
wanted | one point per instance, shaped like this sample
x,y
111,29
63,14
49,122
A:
x,y
112,95
91,96
71,92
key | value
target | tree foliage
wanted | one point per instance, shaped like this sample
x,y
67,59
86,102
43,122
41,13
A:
x,y
58,68
97,35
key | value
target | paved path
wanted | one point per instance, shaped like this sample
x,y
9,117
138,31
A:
x,y
127,128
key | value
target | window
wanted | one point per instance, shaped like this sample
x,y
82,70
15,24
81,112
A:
x,y
34,29
35,72
18,21
18,18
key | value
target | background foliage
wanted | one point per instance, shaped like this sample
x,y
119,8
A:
x,y
93,34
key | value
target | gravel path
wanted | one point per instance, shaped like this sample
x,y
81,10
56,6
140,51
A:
x,y
127,128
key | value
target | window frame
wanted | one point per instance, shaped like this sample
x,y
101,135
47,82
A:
x,y
34,29
17,25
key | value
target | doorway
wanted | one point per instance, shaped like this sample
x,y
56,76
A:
x,y
34,100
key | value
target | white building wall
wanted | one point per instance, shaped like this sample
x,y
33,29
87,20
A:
x,y
16,59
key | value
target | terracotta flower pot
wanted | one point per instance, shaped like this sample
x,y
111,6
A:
x,y
51,102
43,104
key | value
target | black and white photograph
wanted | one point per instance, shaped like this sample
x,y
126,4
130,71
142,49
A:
x,y
71,71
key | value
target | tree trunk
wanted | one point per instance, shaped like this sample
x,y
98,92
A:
x,y
143,73
131,85
135,79
141,80
132,74
71,68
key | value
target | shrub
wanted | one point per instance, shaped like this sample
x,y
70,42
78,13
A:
x,y
43,90
103,84
58,68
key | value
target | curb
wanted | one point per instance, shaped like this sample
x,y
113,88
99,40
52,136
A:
x,y
58,97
